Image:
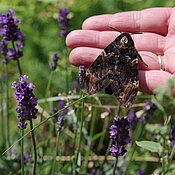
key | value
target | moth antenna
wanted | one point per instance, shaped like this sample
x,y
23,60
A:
x,y
129,32
115,29
137,33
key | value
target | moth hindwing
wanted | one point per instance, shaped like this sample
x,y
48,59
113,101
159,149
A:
x,y
114,71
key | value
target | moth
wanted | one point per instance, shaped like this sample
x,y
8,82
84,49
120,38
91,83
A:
x,y
114,71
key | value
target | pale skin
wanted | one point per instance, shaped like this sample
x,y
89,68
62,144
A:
x,y
158,38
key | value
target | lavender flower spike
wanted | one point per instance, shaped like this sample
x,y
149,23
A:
x,y
10,32
64,21
119,134
81,72
27,101
54,61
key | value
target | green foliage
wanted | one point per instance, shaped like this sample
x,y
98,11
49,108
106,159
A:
x,y
150,145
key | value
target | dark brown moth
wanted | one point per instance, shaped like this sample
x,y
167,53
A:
x,y
114,71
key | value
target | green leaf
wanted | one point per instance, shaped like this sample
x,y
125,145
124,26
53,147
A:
x,y
96,136
150,146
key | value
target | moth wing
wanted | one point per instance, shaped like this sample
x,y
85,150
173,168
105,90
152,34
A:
x,y
126,94
98,76
125,84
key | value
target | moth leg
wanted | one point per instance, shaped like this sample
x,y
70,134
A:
x,y
135,61
142,60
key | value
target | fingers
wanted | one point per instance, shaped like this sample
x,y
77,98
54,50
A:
x,y
150,80
171,29
149,20
169,55
169,61
88,38
86,56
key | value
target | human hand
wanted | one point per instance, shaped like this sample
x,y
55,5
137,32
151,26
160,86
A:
x,y
158,39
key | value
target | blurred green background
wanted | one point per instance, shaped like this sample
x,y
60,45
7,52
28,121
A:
x,y
39,23
40,26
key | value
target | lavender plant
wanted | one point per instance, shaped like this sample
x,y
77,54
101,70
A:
x,y
64,21
10,32
27,101
27,111
53,63
11,44
119,134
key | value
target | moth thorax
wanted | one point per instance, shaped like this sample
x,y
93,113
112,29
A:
x,y
124,40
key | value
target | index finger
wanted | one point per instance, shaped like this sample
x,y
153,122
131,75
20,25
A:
x,y
153,20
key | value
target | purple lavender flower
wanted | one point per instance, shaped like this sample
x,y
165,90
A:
x,y
119,134
141,172
81,72
27,101
75,86
64,21
117,151
60,122
9,27
9,31
14,151
153,137
3,47
60,117
61,105
64,33
27,157
54,61
149,105
15,155
148,110
131,118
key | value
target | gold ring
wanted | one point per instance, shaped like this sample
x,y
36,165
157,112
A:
x,y
160,61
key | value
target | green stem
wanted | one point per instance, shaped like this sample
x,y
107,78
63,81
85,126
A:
x,y
7,106
56,153
75,143
81,129
104,128
48,84
22,151
19,67
115,166
172,153
138,133
164,157
41,123
67,77
94,114
2,119
34,148
66,69
18,62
